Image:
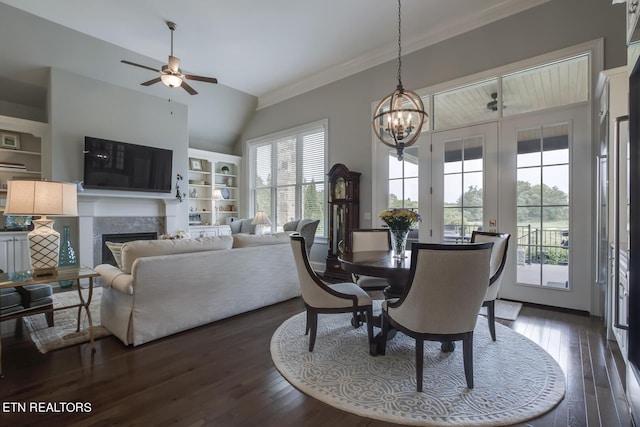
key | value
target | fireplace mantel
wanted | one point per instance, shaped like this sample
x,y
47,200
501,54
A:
x,y
96,204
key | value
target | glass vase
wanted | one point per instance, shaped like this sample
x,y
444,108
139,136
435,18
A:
x,y
67,254
399,243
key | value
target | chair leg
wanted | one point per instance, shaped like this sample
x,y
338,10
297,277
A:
x,y
355,320
381,345
49,317
419,361
308,325
491,317
313,328
467,354
369,318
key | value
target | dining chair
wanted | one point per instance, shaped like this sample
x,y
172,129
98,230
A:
x,y
321,297
362,240
498,260
441,300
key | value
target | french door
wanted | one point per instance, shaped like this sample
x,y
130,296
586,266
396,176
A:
x,y
531,177
463,180
545,176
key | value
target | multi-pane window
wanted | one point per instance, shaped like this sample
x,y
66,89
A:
x,y
403,179
288,175
543,206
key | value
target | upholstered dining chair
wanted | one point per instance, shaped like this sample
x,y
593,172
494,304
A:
x,y
497,263
362,240
321,297
441,300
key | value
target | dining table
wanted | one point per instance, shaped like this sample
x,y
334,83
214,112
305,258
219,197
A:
x,y
379,264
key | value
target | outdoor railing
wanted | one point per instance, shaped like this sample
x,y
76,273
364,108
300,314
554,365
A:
x,y
540,246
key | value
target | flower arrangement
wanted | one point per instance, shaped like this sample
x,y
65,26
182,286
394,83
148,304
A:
x,y
400,218
400,221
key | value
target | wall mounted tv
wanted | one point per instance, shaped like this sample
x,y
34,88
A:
x,y
113,165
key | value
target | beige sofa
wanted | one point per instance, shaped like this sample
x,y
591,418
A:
x,y
167,286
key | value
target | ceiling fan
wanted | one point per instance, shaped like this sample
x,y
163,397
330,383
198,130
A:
x,y
493,104
170,74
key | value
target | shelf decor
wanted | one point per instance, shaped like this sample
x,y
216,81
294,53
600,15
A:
x,y
10,140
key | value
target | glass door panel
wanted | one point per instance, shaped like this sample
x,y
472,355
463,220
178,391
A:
x,y
547,204
464,182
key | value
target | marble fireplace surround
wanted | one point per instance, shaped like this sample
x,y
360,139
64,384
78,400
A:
x,y
117,213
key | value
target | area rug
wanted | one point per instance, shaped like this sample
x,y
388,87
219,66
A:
x,y
507,310
63,333
515,379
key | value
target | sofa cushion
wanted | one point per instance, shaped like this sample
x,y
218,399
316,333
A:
x,y
131,251
248,240
116,249
9,297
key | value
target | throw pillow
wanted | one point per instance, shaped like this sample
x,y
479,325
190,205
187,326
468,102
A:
x,y
247,227
116,250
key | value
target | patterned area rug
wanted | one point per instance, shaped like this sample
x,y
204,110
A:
x,y
515,379
63,333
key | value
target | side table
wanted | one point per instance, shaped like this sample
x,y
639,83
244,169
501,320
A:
x,y
73,274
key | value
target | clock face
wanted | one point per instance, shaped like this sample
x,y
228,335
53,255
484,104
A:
x,y
340,190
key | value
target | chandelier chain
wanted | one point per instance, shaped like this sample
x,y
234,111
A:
x,y
399,45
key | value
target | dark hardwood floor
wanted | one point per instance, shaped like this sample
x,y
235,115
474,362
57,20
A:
x,y
222,375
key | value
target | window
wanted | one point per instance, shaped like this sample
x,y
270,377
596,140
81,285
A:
x,y
287,175
403,179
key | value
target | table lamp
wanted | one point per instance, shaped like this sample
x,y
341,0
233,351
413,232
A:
x,y
261,219
42,198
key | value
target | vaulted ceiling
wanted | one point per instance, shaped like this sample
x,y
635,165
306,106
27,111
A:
x,y
262,50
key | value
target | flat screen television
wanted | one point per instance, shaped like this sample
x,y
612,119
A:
x,y
113,165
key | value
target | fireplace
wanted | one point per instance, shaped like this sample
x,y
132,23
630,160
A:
x,y
107,256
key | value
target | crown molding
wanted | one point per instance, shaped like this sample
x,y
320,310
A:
x,y
379,56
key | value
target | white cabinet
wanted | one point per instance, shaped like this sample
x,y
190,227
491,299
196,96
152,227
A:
x,y
210,231
14,251
210,171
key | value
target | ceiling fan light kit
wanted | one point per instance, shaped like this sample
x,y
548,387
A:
x,y
398,118
170,74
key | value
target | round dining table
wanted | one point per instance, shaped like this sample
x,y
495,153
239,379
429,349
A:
x,y
379,264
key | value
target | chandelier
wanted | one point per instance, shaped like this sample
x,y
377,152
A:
x,y
399,117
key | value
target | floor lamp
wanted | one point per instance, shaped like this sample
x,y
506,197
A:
x,y
44,198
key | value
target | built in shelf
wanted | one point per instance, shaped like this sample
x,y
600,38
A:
x,y
30,153
19,171
202,172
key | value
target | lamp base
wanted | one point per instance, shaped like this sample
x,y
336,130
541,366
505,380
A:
x,y
44,247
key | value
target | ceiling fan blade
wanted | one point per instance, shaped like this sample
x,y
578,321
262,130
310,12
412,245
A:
x,y
138,65
201,79
150,82
188,88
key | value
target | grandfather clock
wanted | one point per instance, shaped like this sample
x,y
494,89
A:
x,y
344,216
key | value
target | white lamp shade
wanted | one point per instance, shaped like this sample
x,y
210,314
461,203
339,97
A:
x,y
261,218
217,194
41,198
